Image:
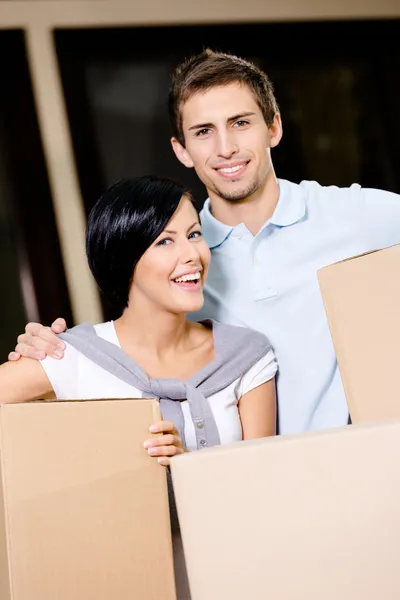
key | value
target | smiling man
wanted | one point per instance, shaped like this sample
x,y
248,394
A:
x,y
268,236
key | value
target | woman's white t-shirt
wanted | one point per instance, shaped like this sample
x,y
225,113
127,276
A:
x,y
76,377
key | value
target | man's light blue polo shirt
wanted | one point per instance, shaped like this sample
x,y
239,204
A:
x,y
269,282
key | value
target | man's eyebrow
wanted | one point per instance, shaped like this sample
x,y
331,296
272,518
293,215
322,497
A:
x,y
201,126
230,119
241,116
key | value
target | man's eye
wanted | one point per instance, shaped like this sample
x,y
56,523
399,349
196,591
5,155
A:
x,y
202,132
241,123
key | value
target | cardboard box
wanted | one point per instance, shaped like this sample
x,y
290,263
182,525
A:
x,y
313,516
83,509
362,302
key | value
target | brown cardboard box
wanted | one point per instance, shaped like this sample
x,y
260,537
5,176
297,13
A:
x,y
83,509
307,517
362,302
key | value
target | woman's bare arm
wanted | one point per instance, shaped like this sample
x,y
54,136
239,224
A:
x,y
257,410
23,381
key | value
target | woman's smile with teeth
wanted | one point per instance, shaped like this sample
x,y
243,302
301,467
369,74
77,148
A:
x,y
189,277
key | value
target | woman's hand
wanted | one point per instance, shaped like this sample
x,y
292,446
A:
x,y
167,444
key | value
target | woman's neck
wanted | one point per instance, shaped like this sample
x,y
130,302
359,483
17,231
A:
x,y
164,344
155,332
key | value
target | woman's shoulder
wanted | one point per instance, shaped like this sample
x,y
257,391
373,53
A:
x,y
262,371
238,333
107,331
244,352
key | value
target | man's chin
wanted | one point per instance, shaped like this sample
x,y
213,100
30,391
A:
x,y
236,194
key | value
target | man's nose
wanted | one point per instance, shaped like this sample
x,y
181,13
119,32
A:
x,y
226,145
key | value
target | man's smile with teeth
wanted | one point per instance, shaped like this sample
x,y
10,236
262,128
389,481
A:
x,y
233,169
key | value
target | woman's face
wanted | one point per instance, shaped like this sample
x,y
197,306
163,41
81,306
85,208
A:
x,y
171,273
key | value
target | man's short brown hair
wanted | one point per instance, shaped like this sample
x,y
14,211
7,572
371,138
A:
x,y
209,69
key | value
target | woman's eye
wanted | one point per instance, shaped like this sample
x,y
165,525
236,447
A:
x,y
195,234
164,242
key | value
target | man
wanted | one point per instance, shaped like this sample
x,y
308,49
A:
x,y
268,237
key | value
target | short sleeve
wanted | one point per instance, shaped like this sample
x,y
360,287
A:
x,y
379,217
63,373
264,370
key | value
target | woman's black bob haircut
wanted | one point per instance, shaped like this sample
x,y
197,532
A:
x,y
122,225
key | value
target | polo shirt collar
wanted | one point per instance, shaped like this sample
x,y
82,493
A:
x,y
290,209
214,231
291,206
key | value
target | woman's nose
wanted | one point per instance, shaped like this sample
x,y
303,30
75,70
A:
x,y
189,252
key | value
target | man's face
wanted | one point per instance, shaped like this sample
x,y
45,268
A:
x,y
227,141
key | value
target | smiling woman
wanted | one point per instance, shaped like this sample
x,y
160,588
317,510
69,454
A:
x,y
157,239
216,383
146,251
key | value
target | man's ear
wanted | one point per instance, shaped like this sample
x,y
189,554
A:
x,y
275,131
181,153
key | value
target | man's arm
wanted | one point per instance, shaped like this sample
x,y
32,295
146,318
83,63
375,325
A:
x,y
39,341
379,217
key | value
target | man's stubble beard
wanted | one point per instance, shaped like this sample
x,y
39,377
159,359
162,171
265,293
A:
x,y
238,195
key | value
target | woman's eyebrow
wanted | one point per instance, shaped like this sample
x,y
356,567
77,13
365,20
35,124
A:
x,y
189,228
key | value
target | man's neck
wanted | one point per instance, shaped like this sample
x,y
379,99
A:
x,y
254,211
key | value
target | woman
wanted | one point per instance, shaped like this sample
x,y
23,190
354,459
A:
x,y
147,254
